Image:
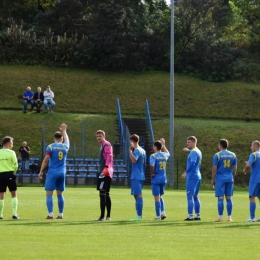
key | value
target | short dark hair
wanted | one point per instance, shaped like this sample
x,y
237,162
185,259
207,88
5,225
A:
x,y
223,143
192,138
158,144
58,135
134,138
6,140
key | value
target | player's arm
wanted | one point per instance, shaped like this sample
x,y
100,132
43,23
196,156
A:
x,y
214,170
108,152
194,157
249,163
152,163
152,171
63,128
164,147
44,164
132,156
234,170
213,175
247,166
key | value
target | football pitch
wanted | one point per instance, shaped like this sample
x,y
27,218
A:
x,y
78,236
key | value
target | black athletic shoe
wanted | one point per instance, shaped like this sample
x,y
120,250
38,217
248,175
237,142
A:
x,y
197,218
15,217
100,219
188,219
1,217
163,216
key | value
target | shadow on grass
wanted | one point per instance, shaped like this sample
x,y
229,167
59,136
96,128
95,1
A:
x,y
150,223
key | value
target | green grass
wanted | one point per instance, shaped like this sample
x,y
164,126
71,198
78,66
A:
x,y
91,95
81,91
78,236
208,131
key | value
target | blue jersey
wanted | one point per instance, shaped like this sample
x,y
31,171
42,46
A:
x,y
254,160
159,161
193,164
224,160
138,168
58,153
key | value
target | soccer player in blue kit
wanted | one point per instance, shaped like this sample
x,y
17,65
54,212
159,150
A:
x,y
223,172
56,154
158,162
254,182
138,159
193,178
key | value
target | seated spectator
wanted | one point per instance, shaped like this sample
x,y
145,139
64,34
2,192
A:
x,y
27,98
38,99
48,100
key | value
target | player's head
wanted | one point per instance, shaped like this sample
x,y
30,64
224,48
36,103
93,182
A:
x,y
134,138
191,142
24,143
157,146
7,142
255,146
223,144
28,88
39,89
100,135
58,136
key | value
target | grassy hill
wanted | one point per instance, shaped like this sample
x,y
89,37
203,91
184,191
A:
x,y
80,91
91,96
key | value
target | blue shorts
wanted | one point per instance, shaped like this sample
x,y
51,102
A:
x,y
224,188
158,189
136,187
192,187
254,189
55,182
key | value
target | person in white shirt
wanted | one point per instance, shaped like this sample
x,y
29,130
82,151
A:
x,y
48,100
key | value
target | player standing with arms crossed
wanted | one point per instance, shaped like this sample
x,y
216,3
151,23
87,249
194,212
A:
x,y
223,172
56,154
138,159
158,162
193,178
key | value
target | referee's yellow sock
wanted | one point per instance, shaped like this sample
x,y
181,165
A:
x,y
14,205
1,207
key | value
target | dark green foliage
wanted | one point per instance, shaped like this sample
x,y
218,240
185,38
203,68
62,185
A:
x,y
215,40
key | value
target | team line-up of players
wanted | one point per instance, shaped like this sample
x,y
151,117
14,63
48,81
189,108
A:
x,y
223,172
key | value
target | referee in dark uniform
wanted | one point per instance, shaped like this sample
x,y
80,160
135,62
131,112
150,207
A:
x,y
8,168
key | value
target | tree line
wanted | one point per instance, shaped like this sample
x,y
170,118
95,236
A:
x,y
216,40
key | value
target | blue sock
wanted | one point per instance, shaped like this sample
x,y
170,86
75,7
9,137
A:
x,y
158,208
190,205
252,207
229,207
197,205
49,203
139,205
220,207
162,205
60,203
